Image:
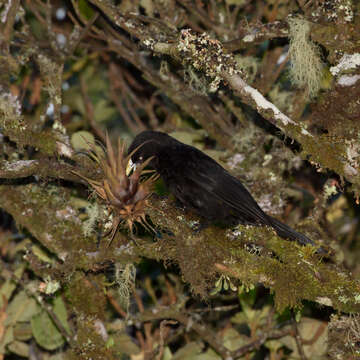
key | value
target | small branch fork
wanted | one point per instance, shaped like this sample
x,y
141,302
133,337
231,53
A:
x,y
206,333
175,314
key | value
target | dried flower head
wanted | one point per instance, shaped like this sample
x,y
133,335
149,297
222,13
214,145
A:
x,y
125,196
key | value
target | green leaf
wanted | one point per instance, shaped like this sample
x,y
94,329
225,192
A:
x,y
21,308
45,332
9,286
233,340
22,331
110,342
210,354
123,344
167,355
189,351
314,333
82,140
61,313
6,339
19,348
85,9
236,2
103,110
239,318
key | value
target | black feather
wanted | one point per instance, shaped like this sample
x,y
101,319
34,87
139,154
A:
x,y
200,183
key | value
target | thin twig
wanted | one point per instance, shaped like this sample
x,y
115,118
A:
x,y
204,331
90,111
9,24
298,340
147,325
276,334
115,305
84,32
164,330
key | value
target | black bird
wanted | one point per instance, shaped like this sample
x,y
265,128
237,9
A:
x,y
199,182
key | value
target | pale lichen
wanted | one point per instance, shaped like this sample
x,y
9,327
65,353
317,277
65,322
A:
x,y
306,66
347,62
206,54
10,111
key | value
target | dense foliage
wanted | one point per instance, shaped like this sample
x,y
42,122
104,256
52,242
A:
x,y
269,88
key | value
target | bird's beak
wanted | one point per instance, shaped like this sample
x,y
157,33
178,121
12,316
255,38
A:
x,y
130,167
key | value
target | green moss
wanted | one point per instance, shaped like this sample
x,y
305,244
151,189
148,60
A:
x,y
85,294
250,255
325,153
89,343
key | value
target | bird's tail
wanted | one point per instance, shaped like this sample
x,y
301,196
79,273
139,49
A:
x,y
287,232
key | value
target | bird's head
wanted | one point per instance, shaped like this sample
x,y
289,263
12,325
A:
x,y
146,145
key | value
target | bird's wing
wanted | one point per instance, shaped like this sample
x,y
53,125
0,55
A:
x,y
209,176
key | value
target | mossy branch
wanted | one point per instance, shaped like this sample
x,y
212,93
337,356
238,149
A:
x,y
208,55
294,274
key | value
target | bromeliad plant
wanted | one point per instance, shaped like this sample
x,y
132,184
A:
x,y
126,196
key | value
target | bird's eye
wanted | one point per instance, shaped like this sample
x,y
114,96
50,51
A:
x,y
140,158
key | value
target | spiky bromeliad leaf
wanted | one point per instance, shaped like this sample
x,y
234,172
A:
x,y
126,196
